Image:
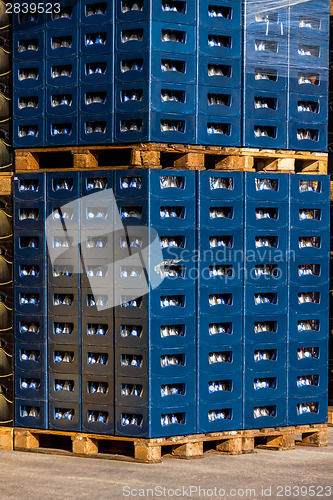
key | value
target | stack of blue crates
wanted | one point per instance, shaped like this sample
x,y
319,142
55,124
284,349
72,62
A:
x,y
30,301
225,74
266,299
308,297
220,300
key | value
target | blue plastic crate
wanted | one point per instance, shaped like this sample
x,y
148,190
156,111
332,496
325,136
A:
x,y
90,392
308,52
267,216
265,105
218,275
266,273
265,357
28,133
226,330
63,330
58,102
26,22
309,244
31,414
219,101
104,360
309,299
315,18
91,297
60,215
307,410
28,46
96,40
259,133
263,413
30,329
309,216
97,274
96,216
28,104
265,328
308,327
217,388
97,330
96,70
220,359
61,130
63,186
218,130
308,80
217,300
217,215
219,43
30,186
162,214
221,246
98,419
223,14
29,273
262,48
95,129
95,100
158,96
61,44
147,422
305,383
64,358
96,243
95,12
307,136
220,417
29,246
265,77
309,272
67,18
308,355
30,358
185,298
160,362
265,385
95,181
182,13
62,72
29,215
30,385
155,127
64,416
58,303
308,108
266,23
265,299
310,188
165,37
219,185
155,333
64,273
28,75
145,66
62,245
64,387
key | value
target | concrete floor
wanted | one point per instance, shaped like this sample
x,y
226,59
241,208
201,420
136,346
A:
x,y
36,476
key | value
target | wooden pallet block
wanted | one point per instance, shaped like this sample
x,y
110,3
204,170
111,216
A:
x,y
174,156
6,184
6,438
278,439
312,435
330,416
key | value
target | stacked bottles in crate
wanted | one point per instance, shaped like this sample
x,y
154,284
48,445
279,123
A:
x,y
155,354
220,300
5,90
6,310
63,311
30,301
266,299
308,297
286,75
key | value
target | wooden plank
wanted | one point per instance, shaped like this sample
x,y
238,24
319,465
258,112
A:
x,y
6,438
6,182
330,416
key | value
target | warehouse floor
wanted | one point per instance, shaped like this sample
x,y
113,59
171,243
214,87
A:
x,y
37,476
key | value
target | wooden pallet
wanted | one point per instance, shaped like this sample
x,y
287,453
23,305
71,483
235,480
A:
x,y
6,184
330,416
174,156
152,450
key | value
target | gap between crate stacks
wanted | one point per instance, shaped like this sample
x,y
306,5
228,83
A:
x,y
170,156
6,184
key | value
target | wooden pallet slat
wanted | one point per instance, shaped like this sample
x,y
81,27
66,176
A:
x,y
6,184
